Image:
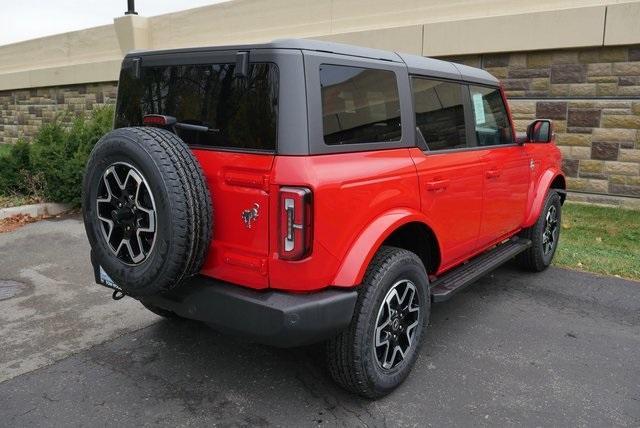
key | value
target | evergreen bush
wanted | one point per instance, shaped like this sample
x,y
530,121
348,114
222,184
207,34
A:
x,y
51,167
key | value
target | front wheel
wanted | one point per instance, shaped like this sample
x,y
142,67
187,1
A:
x,y
377,351
544,236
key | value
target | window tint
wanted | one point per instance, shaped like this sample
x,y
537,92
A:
x,y
439,110
491,122
240,112
359,105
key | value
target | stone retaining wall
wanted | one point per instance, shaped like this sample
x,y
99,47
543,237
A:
x,y
593,97
22,112
599,140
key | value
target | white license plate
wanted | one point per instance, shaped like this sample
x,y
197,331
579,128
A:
x,y
106,280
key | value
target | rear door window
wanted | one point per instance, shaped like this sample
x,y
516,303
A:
x,y
359,105
239,112
440,117
491,121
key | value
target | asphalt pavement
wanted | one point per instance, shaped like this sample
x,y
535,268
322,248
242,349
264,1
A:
x,y
560,348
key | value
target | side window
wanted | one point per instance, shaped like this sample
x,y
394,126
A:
x,y
491,121
359,105
439,108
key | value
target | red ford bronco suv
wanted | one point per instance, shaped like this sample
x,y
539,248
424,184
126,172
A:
x,y
300,191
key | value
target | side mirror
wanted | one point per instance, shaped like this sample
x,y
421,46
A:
x,y
540,131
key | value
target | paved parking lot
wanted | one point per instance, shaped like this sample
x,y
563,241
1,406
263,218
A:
x,y
554,349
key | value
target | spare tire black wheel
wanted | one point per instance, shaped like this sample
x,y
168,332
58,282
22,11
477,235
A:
x,y
147,209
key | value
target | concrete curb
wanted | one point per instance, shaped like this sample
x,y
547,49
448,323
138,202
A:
x,y
35,210
629,203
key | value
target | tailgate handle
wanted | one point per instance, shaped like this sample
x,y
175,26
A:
x,y
493,173
258,181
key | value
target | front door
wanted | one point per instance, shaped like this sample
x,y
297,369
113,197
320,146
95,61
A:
x,y
507,171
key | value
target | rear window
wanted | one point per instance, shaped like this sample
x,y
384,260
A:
x,y
239,112
359,105
439,110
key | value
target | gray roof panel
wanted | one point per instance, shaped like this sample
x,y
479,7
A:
x,y
476,75
430,67
416,64
337,48
447,70
299,44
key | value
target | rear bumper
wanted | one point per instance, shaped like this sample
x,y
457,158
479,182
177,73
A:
x,y
270,317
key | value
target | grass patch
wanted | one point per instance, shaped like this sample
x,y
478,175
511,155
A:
x,y
600,239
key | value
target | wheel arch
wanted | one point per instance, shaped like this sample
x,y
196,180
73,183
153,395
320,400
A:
x,y
550,179
560,183
406,228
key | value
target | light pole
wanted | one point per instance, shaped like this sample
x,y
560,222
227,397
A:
x,y
131,8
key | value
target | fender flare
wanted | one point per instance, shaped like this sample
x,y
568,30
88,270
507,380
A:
x,y
360,253
539,195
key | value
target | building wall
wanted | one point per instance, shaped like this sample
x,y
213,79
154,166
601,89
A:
x,y
23,111
593,97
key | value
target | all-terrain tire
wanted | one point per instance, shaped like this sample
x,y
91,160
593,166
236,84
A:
x,y
182,204
534,258
351,356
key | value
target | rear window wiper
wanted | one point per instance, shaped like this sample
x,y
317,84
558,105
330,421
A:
x,y
197,128
171,122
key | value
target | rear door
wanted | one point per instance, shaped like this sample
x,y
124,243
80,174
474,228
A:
x,y
230,122
507,166
450,171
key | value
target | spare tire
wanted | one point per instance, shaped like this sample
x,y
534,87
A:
x,y
147,210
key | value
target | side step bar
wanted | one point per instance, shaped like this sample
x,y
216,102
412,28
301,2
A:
x,y
455,280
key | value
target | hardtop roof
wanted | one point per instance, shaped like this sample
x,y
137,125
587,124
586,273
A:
x,y
416,64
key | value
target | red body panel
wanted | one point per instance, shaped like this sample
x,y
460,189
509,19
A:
x,y
238,181
506,188
451,198
350,191
359,199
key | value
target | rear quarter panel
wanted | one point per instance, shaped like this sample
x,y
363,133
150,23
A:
x,y
350,191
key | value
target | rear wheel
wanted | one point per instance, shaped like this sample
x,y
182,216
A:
x,y
377,351
544,236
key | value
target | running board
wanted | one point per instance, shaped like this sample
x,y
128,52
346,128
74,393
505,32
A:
x,y
455,280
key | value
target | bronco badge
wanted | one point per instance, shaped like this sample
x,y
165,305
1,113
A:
x,y
250,215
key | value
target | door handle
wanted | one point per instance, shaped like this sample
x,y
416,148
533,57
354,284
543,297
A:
x,y
434,186
493,173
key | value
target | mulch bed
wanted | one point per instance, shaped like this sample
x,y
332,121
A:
x,y
10,224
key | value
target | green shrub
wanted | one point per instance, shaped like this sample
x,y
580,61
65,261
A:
x,y
13,165
5,149
51,167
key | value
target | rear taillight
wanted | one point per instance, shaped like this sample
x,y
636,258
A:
x,y
295,222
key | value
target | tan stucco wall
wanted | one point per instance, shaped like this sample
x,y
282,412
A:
x,y
429,27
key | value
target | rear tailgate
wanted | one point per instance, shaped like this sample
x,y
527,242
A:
x,y
228,114
239,187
